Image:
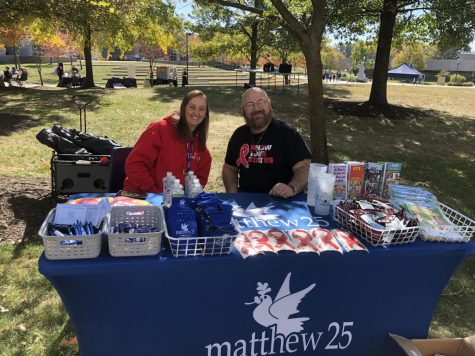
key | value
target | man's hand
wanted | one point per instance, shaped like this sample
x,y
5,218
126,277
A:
x,y
230,178
282,190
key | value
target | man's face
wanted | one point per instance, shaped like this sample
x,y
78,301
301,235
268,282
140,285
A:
x,y
257,110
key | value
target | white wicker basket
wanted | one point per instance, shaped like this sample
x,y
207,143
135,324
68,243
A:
x,y
69,247
461,229
135,244
376,237
201,246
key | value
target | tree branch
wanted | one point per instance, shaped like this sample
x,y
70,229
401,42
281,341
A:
x,y
290,19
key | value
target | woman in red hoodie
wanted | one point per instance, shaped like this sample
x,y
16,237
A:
x,y
176,144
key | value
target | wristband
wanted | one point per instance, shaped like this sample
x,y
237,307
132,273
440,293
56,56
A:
x,y
293,188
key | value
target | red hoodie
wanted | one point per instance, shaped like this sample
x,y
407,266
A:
x,y
158,151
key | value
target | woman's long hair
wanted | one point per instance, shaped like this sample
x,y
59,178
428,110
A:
x,y
183,132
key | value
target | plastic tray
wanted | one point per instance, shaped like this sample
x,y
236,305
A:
x,y
69,247
461,229
376,237
201,246
135,244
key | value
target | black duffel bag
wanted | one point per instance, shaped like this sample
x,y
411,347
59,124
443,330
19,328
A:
x,y
66,133
93,144
59,144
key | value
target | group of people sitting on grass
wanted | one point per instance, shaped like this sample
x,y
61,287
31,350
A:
x,y
8,76
61,73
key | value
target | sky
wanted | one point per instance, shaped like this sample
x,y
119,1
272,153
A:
x,y
184,7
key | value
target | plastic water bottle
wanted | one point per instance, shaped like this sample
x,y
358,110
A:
x,y
168,181
177,190
188,183
196,187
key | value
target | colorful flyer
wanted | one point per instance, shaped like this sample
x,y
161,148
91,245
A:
x,y
280,240
244,246
348,240
303,241
260,241
325,240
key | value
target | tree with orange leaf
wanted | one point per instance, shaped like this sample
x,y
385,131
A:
x,y
11,35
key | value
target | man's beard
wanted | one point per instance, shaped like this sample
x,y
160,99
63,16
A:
x,y
260,122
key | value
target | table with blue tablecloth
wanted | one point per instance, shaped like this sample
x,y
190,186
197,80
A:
x,y
343,304
67,82
123,82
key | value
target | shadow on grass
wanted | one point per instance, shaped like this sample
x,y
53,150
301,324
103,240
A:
x,y
454,315
436,148
24,108
32,211
67,333
11,123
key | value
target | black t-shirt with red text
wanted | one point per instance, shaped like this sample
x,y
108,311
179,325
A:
x,y
265,159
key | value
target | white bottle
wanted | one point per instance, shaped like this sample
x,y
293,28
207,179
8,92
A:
x,y
168,181
188,183
196,187
177,190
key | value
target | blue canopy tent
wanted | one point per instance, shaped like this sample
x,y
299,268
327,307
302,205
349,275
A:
x,y
405,71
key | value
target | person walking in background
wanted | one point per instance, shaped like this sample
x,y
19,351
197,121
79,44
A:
x,y
59,71
184,78
265,155
176,144
174,77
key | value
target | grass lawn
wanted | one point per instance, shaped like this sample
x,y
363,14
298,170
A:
x,y
436,144
102,71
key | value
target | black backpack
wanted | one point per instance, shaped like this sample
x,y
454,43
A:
x,y
94,144
59,144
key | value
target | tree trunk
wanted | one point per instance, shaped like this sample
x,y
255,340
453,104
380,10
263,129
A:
x,y
39,62
41,76
89,81
378,96
254,37
17,60
318,130
310,41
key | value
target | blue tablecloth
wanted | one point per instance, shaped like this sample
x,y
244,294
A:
x,y
126,82
219,305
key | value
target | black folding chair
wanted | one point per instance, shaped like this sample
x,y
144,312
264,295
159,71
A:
x,y
20,79
75,82
118,157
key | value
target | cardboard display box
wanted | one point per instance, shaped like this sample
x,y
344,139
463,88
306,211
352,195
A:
x,y
435,347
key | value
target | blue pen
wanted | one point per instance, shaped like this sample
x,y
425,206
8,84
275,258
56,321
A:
x,y
86,229
92,229
79,228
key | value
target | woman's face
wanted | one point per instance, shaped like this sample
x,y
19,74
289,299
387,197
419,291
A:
x,y
195,112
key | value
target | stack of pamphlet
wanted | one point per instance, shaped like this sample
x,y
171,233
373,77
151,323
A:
x,y
420,203
364,180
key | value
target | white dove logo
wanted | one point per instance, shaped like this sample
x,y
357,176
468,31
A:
x,y
184,227
253,211
276,312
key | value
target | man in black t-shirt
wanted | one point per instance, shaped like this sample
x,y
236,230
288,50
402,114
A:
x,y
266,154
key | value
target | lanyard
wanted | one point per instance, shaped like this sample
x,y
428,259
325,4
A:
x,y
189,153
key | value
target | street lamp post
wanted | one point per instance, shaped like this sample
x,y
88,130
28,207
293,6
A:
x,y
457,72
187,56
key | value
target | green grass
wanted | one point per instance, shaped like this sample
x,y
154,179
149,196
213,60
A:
x,y
437,148
102,71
